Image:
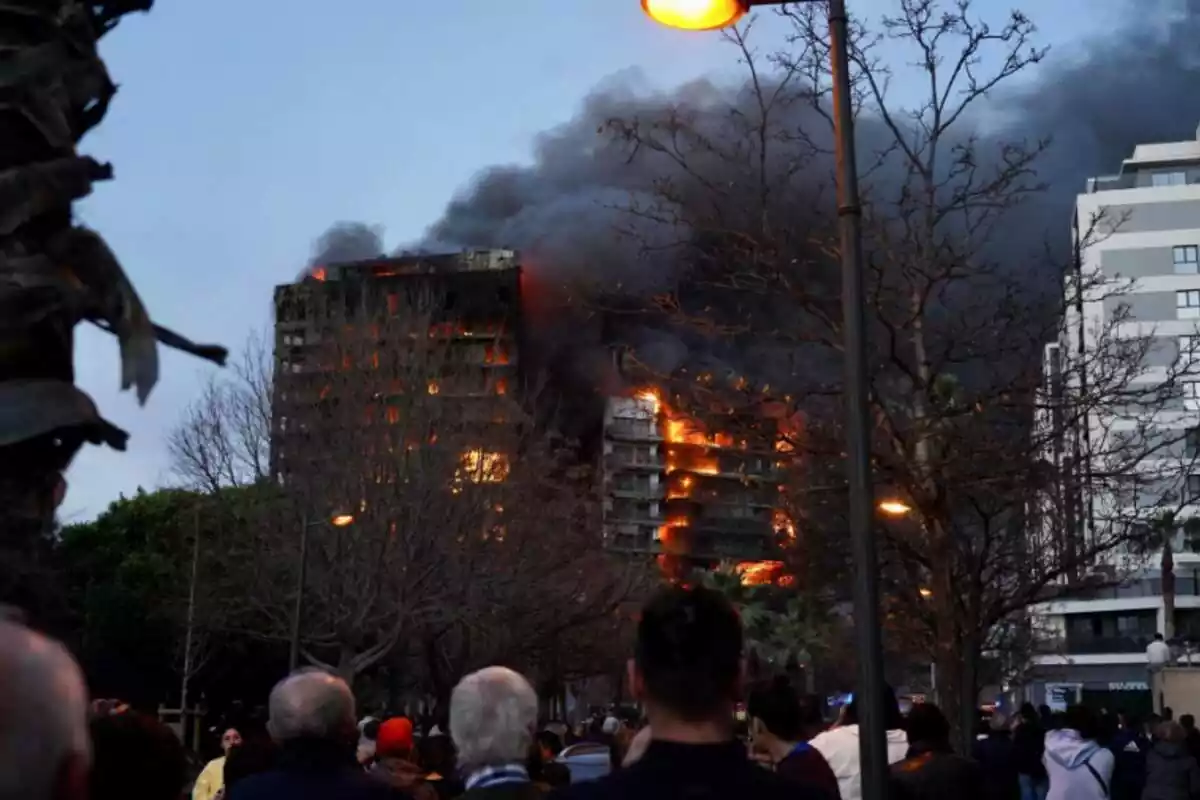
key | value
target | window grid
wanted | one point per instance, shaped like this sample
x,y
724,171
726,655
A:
x,y
1187,304
1186,258
1168,179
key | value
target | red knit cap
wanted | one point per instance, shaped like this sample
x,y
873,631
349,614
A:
x,y
395,738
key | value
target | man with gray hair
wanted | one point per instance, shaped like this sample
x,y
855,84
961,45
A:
x,y
493,715
44,746
311,718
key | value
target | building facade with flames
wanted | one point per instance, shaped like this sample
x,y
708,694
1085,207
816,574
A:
x,y
693,496
1094,644
426,344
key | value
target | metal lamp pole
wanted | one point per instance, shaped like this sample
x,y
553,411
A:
x,y
713,14
338,521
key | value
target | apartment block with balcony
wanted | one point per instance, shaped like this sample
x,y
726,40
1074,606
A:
x,y
1094,644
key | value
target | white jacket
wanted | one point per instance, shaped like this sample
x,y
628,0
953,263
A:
x,y
1068,758
840,748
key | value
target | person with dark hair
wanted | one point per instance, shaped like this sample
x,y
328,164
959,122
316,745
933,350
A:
x,y
211,779
994,752
1171,771
1029,740
931,770
777,731
840,743
1129,746
1191,736
254,755
135,757
687,670
437,756
1078,767
543,769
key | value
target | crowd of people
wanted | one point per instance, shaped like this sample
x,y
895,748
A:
x,y
687,674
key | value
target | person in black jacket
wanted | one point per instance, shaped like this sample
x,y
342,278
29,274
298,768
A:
x,y
995,754
1029,743
1129,747
932,770
686,670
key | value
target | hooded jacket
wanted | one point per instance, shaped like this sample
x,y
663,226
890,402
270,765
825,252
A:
x,y
1171,773
840,748
1079,769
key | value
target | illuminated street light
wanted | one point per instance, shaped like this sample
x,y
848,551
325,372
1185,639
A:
x,y
695,15
337,521
894,508
710,14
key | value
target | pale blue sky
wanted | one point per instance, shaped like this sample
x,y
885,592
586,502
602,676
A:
x,y
243,128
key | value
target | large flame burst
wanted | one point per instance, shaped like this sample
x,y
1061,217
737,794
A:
x,y
693,452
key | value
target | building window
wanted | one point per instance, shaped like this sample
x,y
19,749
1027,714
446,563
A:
x,y
1187,259
1187,304
1168,179
1191,442
1193,489
1191,395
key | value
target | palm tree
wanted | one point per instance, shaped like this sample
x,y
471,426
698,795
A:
x,y
53,272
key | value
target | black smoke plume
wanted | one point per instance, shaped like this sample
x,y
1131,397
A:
x,y
1095,99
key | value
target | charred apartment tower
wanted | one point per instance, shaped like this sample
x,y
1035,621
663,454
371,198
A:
x,y
384,341
678,486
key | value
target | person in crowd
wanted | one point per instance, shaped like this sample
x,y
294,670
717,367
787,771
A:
x,y
637,747
1078,767
550,773
368,732
811,721
1029,736
212,777
995,753
1191,736
311,719
438,759
1158,653
840,744
254,755
1129,747
777,731
394,760
1171,771
493,714
135,757
686,671
1168,714
44,748
931,770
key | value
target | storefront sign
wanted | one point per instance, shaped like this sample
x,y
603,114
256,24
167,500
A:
x,y
1129,686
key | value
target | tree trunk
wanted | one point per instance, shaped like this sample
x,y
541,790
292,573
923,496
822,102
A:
x,y
1168,587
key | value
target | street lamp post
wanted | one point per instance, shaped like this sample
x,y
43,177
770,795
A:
x,y
714,14
338,521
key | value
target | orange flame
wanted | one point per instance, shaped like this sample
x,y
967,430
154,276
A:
x,y
318,273
433,387
758,573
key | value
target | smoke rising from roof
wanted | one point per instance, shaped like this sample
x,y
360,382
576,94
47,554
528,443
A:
x,y
566,210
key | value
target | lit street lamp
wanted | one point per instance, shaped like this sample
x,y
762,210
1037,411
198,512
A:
x,y
337,521
713,14
894,508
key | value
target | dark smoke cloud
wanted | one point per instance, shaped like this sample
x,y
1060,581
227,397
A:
x,y
347,241
1096,99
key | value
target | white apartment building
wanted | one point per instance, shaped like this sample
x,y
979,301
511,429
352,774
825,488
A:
x,y
1098,641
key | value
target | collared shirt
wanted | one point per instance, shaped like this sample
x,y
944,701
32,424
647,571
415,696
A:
x,y
497,776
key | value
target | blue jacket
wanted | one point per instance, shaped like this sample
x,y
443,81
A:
x,y
314,771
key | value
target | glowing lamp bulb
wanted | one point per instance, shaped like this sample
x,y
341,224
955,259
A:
x,y
894,508
342,520
695,15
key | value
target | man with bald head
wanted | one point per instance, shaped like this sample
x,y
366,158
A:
x,y
312,719
44,750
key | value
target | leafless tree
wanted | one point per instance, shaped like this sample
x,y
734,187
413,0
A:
x,y
224,436
991,461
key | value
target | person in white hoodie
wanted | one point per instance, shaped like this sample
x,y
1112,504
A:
x,y
839,744
1079,768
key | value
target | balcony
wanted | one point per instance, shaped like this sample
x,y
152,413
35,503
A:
x,y
1084,646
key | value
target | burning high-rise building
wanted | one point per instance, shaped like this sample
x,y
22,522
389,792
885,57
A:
x,y
428,341
678,487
